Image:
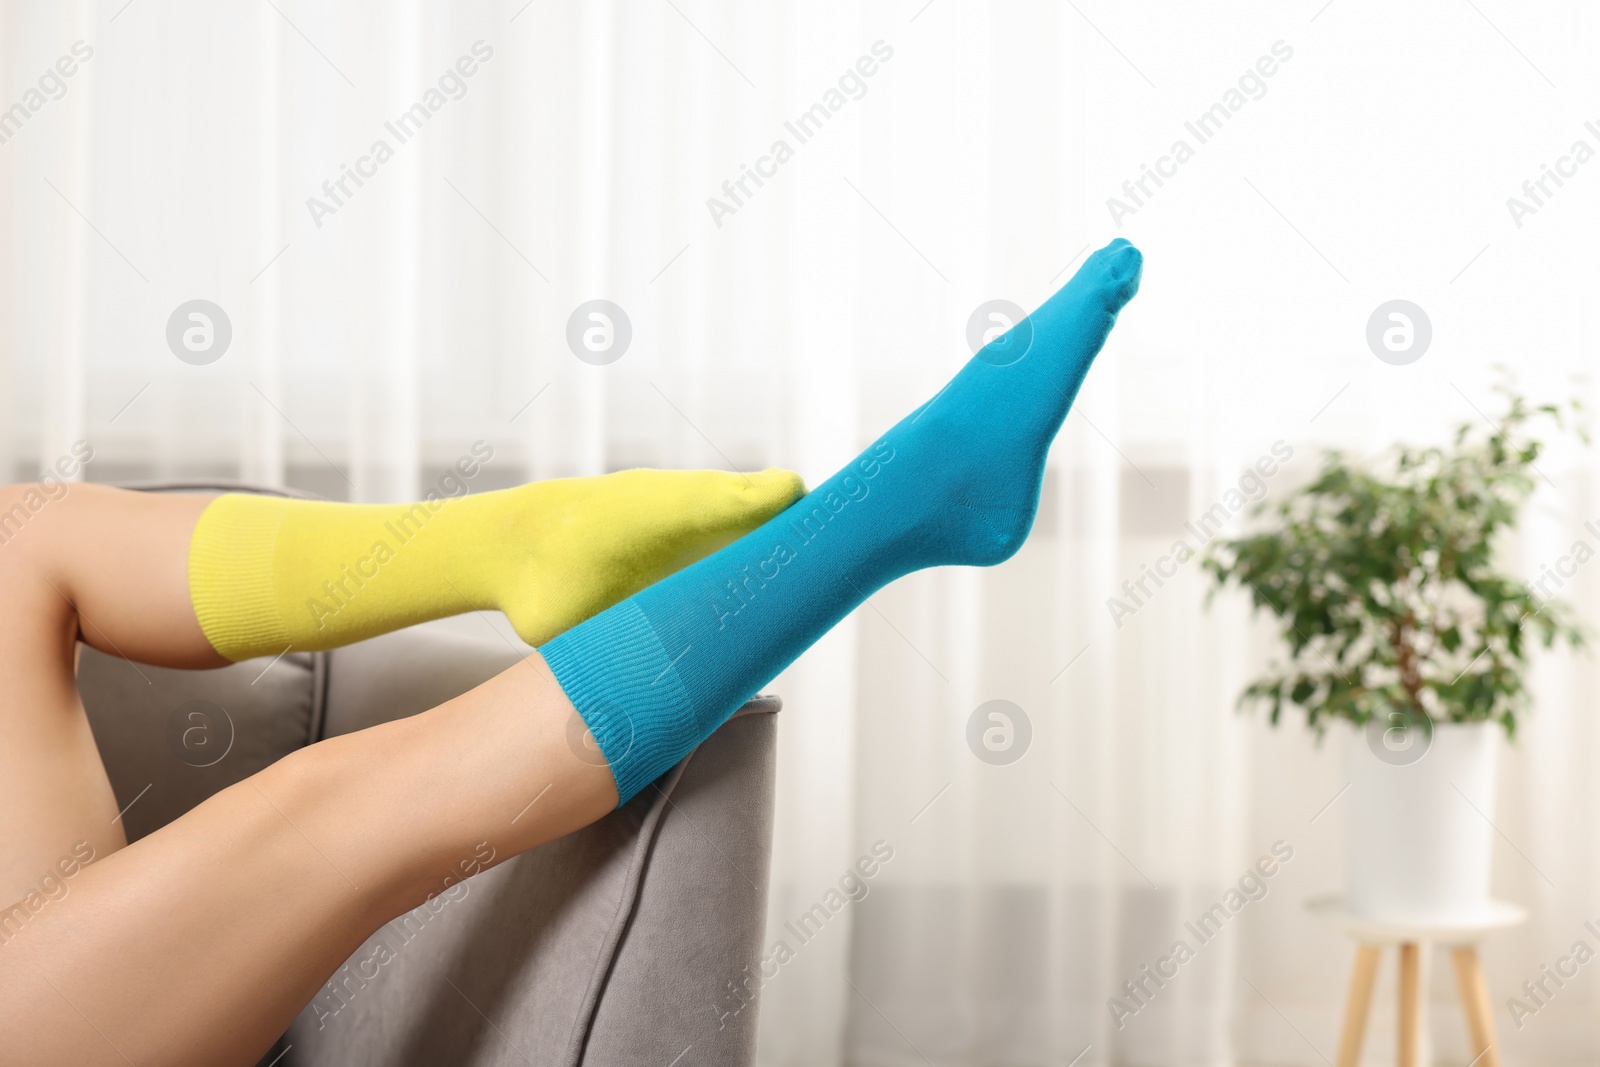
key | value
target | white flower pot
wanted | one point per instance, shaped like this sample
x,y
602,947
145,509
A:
x,y
1420,840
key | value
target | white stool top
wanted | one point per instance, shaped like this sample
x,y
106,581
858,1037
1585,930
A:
x,y
1335,910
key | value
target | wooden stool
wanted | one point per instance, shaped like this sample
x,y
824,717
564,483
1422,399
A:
x,y
1462,940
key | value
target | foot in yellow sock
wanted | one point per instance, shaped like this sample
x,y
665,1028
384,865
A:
x,y
268,574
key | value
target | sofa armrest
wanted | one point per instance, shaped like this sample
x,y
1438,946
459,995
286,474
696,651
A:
x,y
700,914
610,946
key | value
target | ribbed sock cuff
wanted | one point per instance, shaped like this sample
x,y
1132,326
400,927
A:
x,y
620,678
231,579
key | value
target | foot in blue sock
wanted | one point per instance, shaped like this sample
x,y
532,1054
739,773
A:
x,y
955,482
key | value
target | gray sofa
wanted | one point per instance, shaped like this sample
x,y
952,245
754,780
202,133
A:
x,y
613,946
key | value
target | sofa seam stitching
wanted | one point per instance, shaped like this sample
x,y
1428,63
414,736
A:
x,y
628,903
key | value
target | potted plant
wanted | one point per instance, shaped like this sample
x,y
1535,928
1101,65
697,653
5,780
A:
x,y
1399,620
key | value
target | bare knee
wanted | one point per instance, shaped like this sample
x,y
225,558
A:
x,y
31,577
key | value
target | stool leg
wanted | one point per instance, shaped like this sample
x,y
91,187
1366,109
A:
x,y
1475,1002
1362,977
1410,994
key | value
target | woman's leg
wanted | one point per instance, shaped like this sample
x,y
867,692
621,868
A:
x,y
198,944
268,574
108,565
237,912
115,569
954,483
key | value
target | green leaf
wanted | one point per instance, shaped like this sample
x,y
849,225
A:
x,y
1383,582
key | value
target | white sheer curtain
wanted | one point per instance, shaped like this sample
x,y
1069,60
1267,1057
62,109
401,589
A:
x,y
374,344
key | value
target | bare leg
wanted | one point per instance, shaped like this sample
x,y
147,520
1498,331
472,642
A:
x,y
198,944
109,565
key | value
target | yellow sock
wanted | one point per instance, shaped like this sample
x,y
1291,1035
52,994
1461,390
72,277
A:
x,y
267,574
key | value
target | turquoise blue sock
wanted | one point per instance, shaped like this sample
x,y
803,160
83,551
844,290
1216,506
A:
x,y
955,482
